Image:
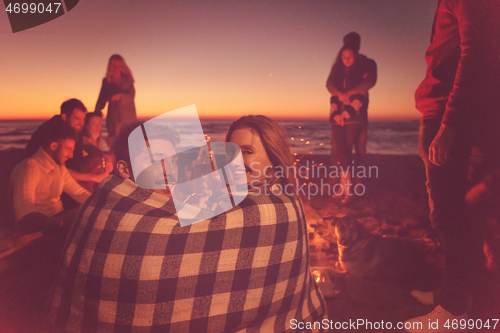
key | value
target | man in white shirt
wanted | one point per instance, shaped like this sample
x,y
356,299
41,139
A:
x,y
38,182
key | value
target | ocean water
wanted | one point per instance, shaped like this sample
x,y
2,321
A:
x,y
305,136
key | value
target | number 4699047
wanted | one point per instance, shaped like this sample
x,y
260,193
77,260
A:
x,y
470,324
33,8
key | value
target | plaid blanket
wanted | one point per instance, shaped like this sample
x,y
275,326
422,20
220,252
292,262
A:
x,y
130,267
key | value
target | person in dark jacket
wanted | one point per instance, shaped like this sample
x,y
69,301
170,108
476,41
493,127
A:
x,y
351,77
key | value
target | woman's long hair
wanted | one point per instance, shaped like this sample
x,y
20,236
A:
x,y
123,67
274,142
346,78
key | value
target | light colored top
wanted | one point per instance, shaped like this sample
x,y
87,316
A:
x,y
37,184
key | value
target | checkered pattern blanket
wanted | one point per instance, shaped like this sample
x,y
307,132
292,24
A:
x,y
130,267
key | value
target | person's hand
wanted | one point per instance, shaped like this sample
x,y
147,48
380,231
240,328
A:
x,y
345,98
339,119
342,97
439,150
116,97
109,163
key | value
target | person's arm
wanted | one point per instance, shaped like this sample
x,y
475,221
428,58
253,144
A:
x,y
330,86
369,78
478,26
477,21
73,189
88,177
102,99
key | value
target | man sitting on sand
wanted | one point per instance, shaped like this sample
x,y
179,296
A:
x,y
72,113
38,182
130,266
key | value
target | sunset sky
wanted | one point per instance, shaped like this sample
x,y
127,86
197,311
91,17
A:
x,y
230,58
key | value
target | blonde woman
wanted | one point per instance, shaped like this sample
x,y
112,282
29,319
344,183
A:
x,y
118,91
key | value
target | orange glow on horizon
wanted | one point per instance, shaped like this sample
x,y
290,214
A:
x,y
44,107
46,113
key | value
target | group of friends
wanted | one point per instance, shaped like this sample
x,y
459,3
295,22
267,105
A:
x,y
65,154
128,264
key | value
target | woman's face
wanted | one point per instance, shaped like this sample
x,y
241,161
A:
x,y
95,126
254,154
347,58
115,66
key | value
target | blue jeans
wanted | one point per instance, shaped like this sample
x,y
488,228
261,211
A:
x,y
459,239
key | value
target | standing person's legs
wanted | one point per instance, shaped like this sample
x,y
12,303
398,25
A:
x,y
337,138
359,103
339,159
352,131
360,146
339,151
353,134
446,187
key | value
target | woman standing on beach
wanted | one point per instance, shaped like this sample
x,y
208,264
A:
x,y
118,91
351,76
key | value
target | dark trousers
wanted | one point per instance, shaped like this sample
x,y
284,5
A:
x,y
360,146
342,140
460,240
57,224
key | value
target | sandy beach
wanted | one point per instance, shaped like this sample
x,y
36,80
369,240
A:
x,y
394,203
